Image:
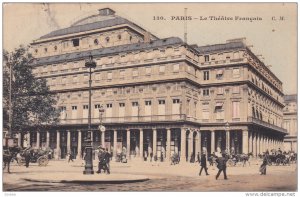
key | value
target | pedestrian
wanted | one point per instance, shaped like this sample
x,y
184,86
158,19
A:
x,y
203,164
70,157
27,155
151,156
263,167
102,161
221,165
107,159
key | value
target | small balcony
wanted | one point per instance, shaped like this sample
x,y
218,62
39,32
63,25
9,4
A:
x,y
266,124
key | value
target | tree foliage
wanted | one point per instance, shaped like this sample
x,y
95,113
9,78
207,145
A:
x,y
33,105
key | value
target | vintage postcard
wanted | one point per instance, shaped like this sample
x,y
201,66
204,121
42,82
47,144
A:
x,y
168,97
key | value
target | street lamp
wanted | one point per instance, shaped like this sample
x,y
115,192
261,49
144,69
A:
x,y
88,168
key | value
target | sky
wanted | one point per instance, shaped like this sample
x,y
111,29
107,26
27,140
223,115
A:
x,y
273,34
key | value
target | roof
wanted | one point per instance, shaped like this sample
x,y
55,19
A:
x,y
113,21
220,47
105,51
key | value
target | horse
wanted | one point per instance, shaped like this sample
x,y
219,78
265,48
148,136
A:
x,y
242,158
8,155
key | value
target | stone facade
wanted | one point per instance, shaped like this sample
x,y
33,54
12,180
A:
x,y
160,96
290,122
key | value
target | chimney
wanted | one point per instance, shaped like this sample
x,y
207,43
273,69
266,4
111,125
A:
x,y
106,12
147,37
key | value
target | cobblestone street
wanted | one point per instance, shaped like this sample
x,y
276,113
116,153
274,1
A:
x,y
163,177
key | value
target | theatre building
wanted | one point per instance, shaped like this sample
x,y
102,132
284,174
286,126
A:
x,y
159,96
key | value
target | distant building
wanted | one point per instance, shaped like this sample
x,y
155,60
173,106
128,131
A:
x,y
290,122
160,96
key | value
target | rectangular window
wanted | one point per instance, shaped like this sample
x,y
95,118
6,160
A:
x,y
74,107
122,104
109,75
175,67
206,75
75,42
109,105
85,107
236,90
235,109
97,106
135,104
161,68
148,70
147,102
220,90
236,73
206,92
206,58
176,101
135,73
219,74
122,74
161,102
205,114
205,106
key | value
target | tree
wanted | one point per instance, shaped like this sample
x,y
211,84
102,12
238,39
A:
x,y
33,105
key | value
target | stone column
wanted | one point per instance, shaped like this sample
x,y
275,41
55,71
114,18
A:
x,y
213,147
103,139
259,143
92,138
182,145
245,142
19,139
141,143
168,152
68,141
154,142
128,143
28,140
250,142
57,145
47,139
79,145
115,144
228,141
38,139
198,142
254,144
190,144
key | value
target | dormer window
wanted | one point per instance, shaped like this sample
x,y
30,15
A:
x,y
55,48
96,42
107,39
119,37
45,49
75,42
130,38
206,58
36,51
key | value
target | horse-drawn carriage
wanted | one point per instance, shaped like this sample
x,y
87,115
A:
x,y
36,156
239,158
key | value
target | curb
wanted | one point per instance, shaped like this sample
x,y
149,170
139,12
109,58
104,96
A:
x,y
89,181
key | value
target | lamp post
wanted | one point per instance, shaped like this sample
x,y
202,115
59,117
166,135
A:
x,y
88,168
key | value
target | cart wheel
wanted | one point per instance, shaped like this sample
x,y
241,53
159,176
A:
x,y
42,161
278,161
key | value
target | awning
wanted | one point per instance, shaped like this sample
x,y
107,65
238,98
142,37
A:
x,y
220,72
219,104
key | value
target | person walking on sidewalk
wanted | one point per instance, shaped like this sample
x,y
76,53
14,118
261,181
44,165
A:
x,y
70,157
203,164
263,167
221,165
